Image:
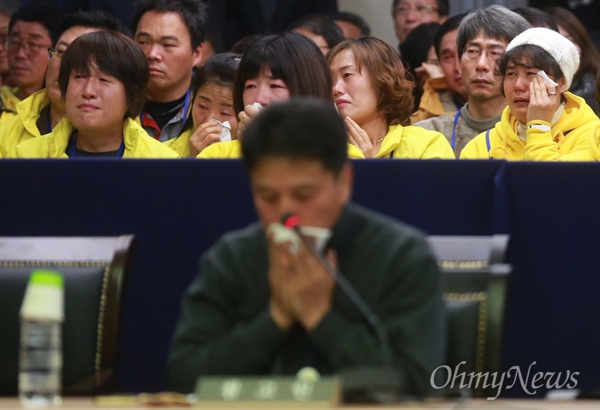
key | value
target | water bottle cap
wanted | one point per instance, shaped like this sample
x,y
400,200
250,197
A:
x,y
44,296
47,277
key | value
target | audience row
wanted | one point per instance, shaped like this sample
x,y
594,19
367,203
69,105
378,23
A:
x,y
502,90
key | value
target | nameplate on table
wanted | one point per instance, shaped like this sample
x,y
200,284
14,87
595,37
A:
x,y
266,391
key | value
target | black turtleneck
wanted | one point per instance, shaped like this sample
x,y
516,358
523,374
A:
x,y
162,112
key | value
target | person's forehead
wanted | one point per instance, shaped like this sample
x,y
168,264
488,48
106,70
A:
x,y
449,39
483,39
29,28
168,22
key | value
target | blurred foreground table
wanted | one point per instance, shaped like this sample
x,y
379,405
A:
x,y
504,404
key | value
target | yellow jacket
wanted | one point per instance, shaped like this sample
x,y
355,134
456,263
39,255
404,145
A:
x,y
567,140
181,144
233,149
23,126
437,99
410,143
138,144
595,144
9,101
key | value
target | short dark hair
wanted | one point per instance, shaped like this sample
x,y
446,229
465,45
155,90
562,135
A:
x,y
494,21
94,19
115,54
447,26
299,128
219,69
292,58
37,13
320,25
354,19
192,12
415,47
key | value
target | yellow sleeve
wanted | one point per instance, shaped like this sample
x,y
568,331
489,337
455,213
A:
x,y
541,146
354,152
438,147
221,150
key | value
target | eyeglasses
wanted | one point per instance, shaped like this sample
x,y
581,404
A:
x,y
31,49
420,9
474,53
55,55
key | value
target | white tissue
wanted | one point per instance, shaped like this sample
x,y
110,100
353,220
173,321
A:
x,y
547,79
258,106
282,234
225,130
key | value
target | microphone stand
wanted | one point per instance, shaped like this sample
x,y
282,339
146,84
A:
x,y
371,384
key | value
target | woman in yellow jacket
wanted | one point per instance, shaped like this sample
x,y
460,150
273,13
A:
x,y
212,118
374,98
275,68
542,121
23,126
102,79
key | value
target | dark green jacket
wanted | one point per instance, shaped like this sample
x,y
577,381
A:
x,y
225,326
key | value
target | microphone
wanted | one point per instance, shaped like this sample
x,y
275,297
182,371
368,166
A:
x,y
362,384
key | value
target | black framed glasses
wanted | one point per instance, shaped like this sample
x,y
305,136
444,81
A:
x,y
472,53
29,48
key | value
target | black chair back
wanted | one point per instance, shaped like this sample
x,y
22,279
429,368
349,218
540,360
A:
x,y
475,283
93,269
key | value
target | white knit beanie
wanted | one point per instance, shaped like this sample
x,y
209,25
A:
x,y
557,45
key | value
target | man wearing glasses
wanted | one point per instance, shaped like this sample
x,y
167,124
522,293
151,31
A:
x,y
30,34
408,14
482,38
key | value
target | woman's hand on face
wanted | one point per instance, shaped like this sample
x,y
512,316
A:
x,y
246,116
427,70
359,138
543,100
206,134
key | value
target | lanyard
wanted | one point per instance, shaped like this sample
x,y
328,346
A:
x,y
487,142
453,141
73,153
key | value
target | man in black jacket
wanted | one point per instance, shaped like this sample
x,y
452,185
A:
x,y
265,306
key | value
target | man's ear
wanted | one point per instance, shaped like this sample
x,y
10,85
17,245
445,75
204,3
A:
x,y
197,53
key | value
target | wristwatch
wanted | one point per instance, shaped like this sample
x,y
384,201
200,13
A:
x,y
542,127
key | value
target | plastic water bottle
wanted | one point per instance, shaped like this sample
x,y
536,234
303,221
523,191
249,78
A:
x,y
40,360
